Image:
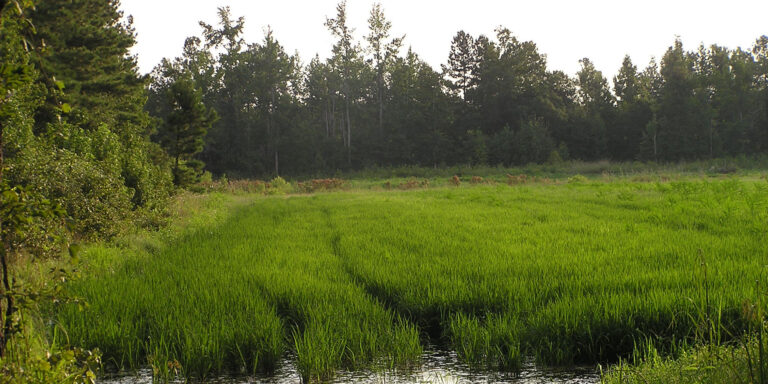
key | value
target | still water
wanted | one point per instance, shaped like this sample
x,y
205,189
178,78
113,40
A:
x,y
439,367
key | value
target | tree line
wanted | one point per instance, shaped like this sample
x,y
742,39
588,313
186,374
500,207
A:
x,y
374,103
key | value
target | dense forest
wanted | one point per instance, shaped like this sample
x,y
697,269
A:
x,y
375,103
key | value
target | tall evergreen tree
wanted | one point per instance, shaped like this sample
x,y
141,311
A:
x,y
346,61
420,114
87,53
383,53
463,61
651,83
625,134
184,129
274,71
681,120
590,124
511,87
233,142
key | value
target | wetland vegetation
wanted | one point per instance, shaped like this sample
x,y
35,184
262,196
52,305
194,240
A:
x,y
568,272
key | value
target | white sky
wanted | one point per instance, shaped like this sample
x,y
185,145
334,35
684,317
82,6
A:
x,y
564,30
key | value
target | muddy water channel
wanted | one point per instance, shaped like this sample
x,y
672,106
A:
x,y
438,367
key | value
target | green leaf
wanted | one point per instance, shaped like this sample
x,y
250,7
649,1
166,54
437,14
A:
x,y
59,84
66,108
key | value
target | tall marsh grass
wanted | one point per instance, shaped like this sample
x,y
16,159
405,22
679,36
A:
x,y
569,273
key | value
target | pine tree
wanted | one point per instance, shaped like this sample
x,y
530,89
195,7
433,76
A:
x,y
463,61
274,71
632,114
346,61
682,121
596,103
650,95
86,53
184,129
383,53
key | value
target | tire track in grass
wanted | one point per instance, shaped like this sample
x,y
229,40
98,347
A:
x,y
477,331
335,324
589,276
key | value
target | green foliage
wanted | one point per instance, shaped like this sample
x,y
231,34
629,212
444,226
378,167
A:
x,y
91,191
50,364
532,143
26,355
66,165
278,186
183,131
25,214
86,68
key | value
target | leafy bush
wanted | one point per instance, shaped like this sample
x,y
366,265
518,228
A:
x,y
93,195
278,186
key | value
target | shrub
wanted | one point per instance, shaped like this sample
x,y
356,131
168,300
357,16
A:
x,y
278,186
576,179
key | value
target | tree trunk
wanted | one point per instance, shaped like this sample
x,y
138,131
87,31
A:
x,y
277,168
711,139
327,121
349,135
274,135
333,116
6,293
10,307
380,94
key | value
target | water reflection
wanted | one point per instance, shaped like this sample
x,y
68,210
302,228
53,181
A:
x,y
438,367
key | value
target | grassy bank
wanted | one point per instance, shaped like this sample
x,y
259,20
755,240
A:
x,y
573,272
739,362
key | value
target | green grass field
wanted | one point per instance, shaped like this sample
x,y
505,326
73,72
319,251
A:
x,y
567,272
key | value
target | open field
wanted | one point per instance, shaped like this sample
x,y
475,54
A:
x,y
578,272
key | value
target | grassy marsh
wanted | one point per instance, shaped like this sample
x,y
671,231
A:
x,y
568,273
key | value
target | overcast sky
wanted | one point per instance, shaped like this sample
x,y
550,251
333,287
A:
x,y
565,31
